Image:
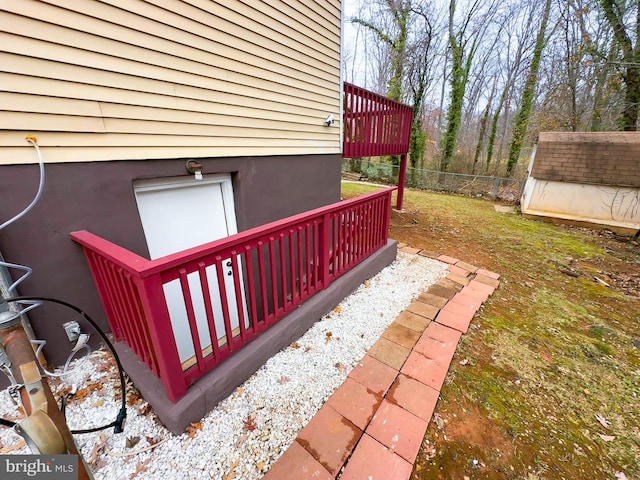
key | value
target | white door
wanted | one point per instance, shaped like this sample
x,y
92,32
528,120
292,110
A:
x,y
178,214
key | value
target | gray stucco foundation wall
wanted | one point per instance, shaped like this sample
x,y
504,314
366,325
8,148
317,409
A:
x,y
99,197
205,394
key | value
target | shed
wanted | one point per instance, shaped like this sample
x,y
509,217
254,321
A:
x,y
585,179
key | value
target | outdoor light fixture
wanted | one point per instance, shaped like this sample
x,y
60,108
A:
x,y
194,168
329,121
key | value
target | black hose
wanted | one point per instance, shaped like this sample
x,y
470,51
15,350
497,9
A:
x,y
118,423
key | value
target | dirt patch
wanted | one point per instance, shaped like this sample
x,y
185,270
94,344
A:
x,y
464,442
467,424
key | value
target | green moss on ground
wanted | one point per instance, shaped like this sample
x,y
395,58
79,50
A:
x,y
552,370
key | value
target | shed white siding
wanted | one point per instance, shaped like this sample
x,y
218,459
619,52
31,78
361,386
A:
x,y
136,79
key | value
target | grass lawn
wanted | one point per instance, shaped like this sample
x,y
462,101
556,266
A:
x,y
546,384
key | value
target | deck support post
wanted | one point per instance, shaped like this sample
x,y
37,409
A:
x,y
402,175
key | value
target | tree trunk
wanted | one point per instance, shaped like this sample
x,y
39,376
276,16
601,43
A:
x,y
522,119
614,13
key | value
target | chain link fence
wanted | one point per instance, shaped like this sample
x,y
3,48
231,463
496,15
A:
x,y
500,188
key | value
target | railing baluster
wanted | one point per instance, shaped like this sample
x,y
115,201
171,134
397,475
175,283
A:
x,y
191,317
324,252
263,285
208,308
134,318
300,242
238,291
283,272
317,234
253,303
224,301
292,264
274,278
99,267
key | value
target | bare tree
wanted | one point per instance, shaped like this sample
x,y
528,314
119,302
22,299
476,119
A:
x,y
522,119
464,40
624,18
395,36
421,65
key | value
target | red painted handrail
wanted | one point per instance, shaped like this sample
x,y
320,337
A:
x,y
374,125
271,270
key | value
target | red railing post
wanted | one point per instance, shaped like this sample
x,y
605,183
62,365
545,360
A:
x,y
402,175
325,246
157,316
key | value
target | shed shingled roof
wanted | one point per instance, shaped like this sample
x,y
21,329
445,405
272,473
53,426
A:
x,y
600,158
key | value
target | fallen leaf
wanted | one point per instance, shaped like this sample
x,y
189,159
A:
x,y
133,398
240,391
140,467
142,408
97,450
152,440
307,349
241,440
98,403
295,345
337,309
607,438
250,424
81,394
439,420
328,337
193,429
367,284
283,379
132,441
21,443
231,474
602,420
260,466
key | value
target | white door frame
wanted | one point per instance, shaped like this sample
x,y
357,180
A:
x,y
224,179
172,289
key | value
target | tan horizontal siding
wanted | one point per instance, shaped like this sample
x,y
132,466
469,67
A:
x,y
71,123
152,64
303,17
180,147
257,77
136,30
222,115
53,139
57,79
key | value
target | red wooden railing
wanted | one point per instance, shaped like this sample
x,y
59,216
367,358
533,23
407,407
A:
x,y
271,269
374,125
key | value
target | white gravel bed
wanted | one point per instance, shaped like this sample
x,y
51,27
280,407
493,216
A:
x,y
249,430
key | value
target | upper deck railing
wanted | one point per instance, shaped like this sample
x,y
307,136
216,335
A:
x,y
374,125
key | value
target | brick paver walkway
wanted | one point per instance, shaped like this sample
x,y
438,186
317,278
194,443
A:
x,y
371,428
